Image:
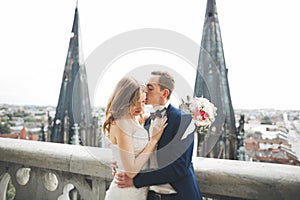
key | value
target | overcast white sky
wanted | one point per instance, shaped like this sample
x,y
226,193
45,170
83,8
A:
x,y
260,40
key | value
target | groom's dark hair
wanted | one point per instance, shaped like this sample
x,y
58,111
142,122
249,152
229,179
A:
x,y
166,81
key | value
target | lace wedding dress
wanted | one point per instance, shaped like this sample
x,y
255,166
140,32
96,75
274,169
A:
x,y
140,139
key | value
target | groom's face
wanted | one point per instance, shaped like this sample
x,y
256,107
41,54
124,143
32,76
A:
x,y
154,94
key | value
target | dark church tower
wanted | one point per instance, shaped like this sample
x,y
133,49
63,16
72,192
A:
x,y
73,111
212,83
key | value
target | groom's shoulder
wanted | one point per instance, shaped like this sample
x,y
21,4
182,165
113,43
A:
x,y
177,112
174,110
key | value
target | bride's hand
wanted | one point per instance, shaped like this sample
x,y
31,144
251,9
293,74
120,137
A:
x,y
159,126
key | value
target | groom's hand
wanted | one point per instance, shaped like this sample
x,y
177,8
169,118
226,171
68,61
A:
x,y
123,181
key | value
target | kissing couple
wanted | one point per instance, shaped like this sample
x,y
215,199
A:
x,y
152,160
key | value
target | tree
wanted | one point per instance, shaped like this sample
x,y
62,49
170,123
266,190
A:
x,y
11,191
266,120
4,128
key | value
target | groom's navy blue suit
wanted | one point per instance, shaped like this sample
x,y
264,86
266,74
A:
x,y
174,157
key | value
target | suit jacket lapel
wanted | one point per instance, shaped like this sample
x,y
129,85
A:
x,y
147,126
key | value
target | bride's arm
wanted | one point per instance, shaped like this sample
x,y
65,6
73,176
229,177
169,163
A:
x,y
132,165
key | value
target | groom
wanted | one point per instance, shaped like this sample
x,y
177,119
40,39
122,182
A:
x,y
173,177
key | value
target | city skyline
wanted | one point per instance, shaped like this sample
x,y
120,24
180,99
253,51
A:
x,y
260,45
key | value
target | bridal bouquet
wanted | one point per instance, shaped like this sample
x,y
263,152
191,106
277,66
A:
x,y
202,111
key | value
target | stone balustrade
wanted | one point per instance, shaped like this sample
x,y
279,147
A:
x,y
42,170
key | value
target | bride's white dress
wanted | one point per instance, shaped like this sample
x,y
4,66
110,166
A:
x,y
140,139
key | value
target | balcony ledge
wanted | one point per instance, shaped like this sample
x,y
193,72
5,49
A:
x,y
217,178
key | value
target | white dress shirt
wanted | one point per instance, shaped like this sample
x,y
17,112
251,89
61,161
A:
x,y
164,188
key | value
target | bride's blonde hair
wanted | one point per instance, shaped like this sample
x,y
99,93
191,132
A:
x,y
126,93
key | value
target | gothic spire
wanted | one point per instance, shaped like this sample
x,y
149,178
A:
x,y
212,83
74,103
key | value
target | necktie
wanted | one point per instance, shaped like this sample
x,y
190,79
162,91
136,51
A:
x,y
158,113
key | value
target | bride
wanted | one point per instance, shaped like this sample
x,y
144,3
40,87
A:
x,y
130,143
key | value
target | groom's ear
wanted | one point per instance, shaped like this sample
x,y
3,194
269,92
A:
x,y
166,93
